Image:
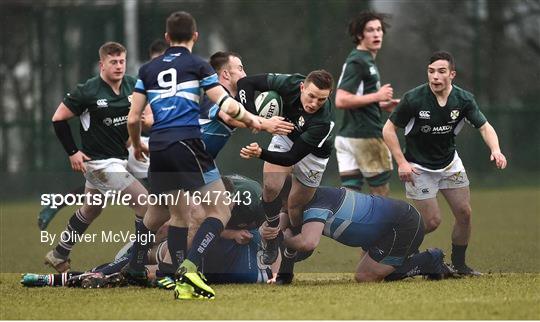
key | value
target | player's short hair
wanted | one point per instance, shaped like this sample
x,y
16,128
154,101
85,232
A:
x,y
357,24
157,47
221,58
443,55
320,78
111,48
181,26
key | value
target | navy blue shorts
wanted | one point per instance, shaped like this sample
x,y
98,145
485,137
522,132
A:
x,y
403,240
184,165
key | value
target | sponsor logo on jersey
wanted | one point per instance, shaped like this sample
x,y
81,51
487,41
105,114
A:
x,y
425,190
454,114
116,121
102,102
424,115
443,129
425,128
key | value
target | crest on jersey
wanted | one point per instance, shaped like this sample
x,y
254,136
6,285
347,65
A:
x,y
425,128
129,98
301,121
372,70
454,114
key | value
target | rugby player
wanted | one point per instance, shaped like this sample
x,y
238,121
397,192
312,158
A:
x,y
360,149
235,258
388,230
432,115
179,163
304,152
102,103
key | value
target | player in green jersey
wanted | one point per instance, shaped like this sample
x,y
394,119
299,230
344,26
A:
x,y
432,115
303,153
360,149
102,103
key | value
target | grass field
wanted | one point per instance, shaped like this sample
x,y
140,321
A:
x,y
506,243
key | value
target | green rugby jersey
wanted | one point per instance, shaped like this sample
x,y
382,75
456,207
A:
x,y
360,76
103,116
430,129
248,211
314,129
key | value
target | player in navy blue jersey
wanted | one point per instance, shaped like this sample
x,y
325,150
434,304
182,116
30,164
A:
x,y
390,232
179,163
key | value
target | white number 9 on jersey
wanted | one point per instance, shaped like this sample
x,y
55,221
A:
x,y
170,85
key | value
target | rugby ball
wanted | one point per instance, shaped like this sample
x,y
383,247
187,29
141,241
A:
x,y
269,104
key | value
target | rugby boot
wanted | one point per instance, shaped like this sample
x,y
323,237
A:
x,y
271,250
284,278
35,280
61,265
133,277
439,269
45,216
184,291
188,274
465,270
166,283
98,280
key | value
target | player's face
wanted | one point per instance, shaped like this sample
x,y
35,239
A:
x,y
440,76
113,67
235,70
312,97
372,36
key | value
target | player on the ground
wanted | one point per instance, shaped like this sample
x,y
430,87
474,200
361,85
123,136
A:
x,y
235,259
360,149
388,230
432,115
216,126
179,163
304,152
102,103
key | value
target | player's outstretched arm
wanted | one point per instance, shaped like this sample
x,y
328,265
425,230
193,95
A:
x,y
405,170
138,104
492,141
63,132
233,108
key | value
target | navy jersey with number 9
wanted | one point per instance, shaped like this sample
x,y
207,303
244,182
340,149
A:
x,y
172,84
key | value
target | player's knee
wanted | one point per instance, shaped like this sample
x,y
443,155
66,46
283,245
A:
x,y
463,215
271,192
431,224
